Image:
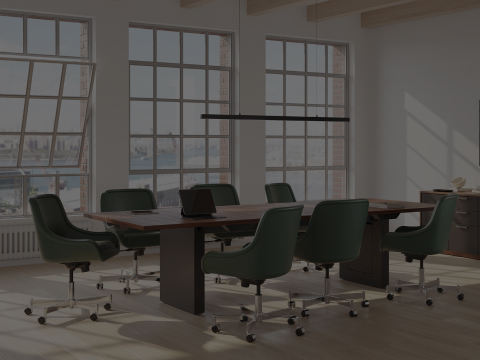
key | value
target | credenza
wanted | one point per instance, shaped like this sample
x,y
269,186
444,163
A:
x,y
465,235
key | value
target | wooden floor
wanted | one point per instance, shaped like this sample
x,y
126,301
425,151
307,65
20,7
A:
x,y
140,327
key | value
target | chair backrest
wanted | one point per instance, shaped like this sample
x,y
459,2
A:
x,y
335,231
270,254
127,200
437,231
223,194
50,221
279,193
49,216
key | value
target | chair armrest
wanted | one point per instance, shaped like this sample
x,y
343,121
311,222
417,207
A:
x,y
408,229
229,259
61,250
95,236
404,239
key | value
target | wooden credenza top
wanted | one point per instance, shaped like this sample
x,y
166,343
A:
x,y
461,193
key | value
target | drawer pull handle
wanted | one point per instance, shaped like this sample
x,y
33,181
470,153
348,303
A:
x,y
463,212
463,198
462,227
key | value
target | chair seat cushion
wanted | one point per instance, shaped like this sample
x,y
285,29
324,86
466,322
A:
x,y
141,239
106,246
232,234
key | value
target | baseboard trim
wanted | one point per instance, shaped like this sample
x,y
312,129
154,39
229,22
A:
x,y
464,255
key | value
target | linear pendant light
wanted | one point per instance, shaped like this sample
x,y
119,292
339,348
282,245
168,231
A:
x,y
270,117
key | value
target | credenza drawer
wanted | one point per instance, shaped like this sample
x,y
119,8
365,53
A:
x,y
464,239
467,203
465,217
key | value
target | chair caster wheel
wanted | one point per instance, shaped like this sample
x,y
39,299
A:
x,y
291,304
292,320
216,328
99,286
42,320
305,313
122,280
157,279
27,311
251,338
93,317
300,331
398,289
305,269
365,303
353,313
218,280
107,306
429,302
243,318
460,296
126,291
440,289
390,296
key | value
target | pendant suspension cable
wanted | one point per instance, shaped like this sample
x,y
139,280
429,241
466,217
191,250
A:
x,y
239,34
316,56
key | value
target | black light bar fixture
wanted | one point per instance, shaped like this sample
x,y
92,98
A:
x,y
273,117
270,117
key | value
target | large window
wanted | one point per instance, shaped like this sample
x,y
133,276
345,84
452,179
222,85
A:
x,y
46,79
305,78
175,76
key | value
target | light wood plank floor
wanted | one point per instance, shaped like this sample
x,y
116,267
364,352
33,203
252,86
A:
x,y
140,327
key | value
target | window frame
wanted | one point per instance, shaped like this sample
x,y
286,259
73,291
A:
x,y
181,101
326,106
49,170
57,19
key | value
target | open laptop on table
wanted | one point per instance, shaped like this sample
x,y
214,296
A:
x,y
198,204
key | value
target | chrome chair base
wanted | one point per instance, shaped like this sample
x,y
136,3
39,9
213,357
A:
x,y
327,298
127,276
422,287
50,306
257,316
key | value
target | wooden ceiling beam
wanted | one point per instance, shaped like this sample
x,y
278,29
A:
x,y
419,9
190,4
260,7
333,9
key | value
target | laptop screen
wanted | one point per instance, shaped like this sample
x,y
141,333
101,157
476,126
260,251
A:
x,y
197,202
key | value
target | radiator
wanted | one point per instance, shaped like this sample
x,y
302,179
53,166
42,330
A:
x,y
20,242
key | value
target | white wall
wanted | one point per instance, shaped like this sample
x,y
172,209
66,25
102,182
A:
x,y
110,127
425,88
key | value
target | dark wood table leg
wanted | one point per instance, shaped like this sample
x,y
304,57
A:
x,y
182,281
371,267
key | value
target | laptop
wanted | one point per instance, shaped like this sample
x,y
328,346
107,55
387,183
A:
x,y
198,204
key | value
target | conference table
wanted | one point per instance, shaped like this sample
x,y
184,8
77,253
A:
x,y
182,244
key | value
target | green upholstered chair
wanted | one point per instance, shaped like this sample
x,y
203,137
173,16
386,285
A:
x,y
224,195
61,242
334,236
133,240
417,242
279,193
268,256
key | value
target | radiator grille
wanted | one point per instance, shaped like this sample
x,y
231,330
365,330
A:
x,y
20,242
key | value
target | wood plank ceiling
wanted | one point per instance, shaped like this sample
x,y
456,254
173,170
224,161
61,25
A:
x,y
374,13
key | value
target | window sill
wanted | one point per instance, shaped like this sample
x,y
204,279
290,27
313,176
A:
x,y
27,220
